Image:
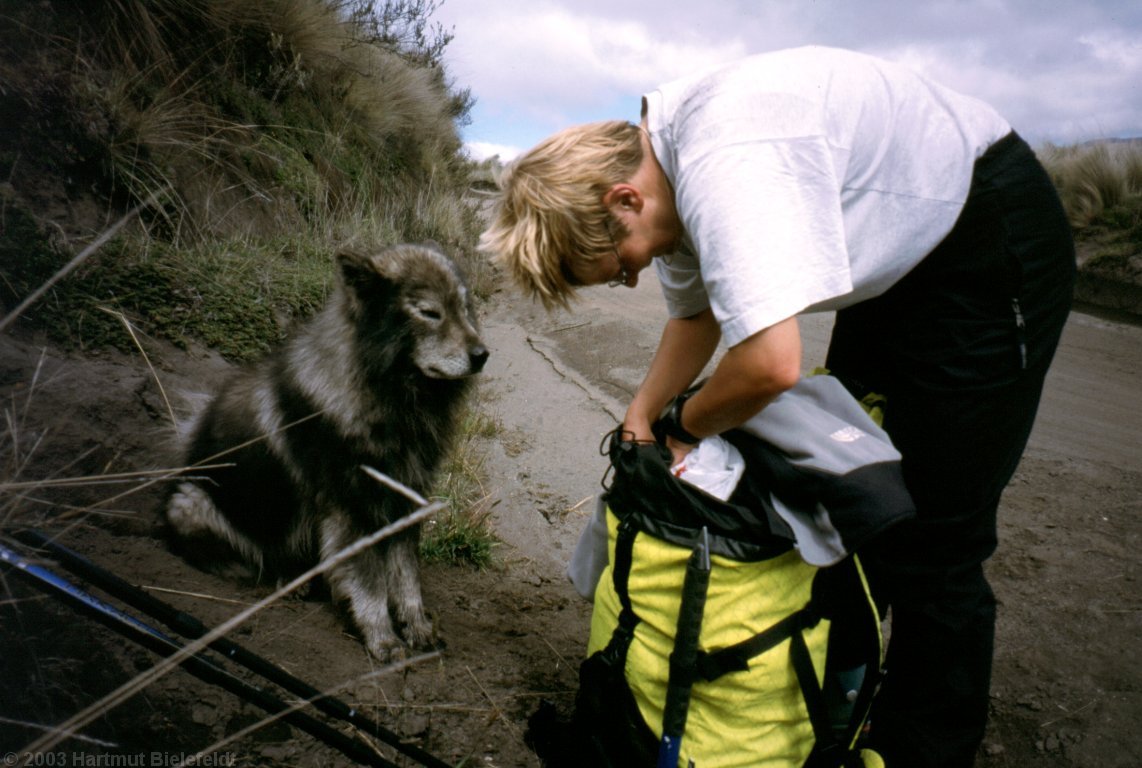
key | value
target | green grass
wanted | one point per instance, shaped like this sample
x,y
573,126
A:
x,y
462,534
239,297
459,537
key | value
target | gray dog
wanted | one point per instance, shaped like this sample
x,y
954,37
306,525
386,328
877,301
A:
x,y
377,378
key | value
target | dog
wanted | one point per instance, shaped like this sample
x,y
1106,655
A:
x,y
378,377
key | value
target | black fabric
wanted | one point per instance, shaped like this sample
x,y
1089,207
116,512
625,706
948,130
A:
x,y
606,729
645,492
620,574
960,347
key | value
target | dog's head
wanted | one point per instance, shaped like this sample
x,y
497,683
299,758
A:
x,y
414,298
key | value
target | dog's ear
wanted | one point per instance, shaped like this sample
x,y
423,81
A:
x,y
356,268
360,276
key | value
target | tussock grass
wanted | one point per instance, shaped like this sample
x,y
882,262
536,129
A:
x,y
1101,189
1098,183
461,533
317,121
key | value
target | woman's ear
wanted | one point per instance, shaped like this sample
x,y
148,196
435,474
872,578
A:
x,y
623,197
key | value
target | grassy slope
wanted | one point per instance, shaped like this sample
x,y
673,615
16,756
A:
x,y
269,134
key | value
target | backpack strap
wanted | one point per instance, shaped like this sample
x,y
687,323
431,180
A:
x,y
691,608
620,573
735,658
828,751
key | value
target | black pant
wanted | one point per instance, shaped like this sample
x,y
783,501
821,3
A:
x,y
960,347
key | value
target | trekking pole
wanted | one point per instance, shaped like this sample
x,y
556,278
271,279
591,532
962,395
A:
x,y
199,666
683,659
190,627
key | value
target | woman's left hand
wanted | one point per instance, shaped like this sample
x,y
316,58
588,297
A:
x,y
678,450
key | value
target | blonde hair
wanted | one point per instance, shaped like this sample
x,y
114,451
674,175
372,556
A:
x,y
549,216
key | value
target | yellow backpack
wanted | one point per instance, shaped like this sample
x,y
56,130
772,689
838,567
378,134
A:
x,y
713,644
755,688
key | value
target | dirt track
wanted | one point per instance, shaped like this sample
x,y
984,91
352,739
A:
x,y
1068,682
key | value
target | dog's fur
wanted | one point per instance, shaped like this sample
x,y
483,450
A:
x,y
378,379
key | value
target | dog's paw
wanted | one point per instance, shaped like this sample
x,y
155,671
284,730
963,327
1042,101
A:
x,y
190,512
387,652
420,633
382,641
415,625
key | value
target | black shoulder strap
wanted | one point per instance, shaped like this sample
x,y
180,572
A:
x,y
624,557
735,658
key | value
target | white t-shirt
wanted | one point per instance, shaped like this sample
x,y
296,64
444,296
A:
x,y
808,180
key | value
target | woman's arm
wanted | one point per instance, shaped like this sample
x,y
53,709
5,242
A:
x,y
686,346
747,378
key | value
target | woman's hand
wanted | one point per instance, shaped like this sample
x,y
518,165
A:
x,y
678,450
686,346
637,427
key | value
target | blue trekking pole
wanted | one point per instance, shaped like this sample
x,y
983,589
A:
x,y
683,659
190,627
197,665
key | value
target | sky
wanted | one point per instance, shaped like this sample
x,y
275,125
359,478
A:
x,y
1060,72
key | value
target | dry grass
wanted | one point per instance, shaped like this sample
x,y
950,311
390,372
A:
x,y
305,116
134,686
1095,179
276,120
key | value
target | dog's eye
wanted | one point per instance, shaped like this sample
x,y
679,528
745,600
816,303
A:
x,y
431,313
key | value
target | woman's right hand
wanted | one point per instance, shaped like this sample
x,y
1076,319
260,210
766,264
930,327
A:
x,y
636,427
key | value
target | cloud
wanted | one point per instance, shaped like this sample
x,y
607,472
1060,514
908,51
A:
x,y
548,65
1062,83
1058,71
482,150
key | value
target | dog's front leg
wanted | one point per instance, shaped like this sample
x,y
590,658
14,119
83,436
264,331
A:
x,y
362,584
402,569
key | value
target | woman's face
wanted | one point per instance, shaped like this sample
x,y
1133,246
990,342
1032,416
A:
x,y
628,258
654,231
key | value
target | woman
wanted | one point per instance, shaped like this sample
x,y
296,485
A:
x,y
817,179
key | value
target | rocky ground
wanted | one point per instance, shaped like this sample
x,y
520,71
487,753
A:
x,y
1068,682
